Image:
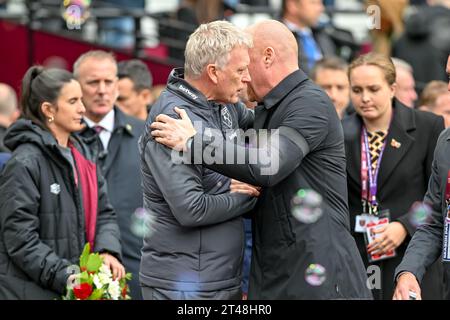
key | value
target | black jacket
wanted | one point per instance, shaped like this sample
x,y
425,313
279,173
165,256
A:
x,y
427,242
120,166
308,154
41,217
402,180
197,238
425,44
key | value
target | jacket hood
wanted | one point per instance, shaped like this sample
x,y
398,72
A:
x,y
25,131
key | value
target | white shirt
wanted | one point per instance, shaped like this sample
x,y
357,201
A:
x,y
108,126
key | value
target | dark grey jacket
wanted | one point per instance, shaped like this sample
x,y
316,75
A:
x,y
426,245
120,166
43,232
197,238
309,154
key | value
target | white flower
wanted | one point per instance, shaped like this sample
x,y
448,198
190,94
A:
x,y
114,290
97,282
105,270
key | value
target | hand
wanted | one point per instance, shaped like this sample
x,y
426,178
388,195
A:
x,y
406,282
390,237
241,187
117,269
173,133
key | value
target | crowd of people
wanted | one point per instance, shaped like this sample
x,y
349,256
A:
x,y
253,117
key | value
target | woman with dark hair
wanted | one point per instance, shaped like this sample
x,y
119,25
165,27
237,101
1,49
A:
x,y
389,149
52,197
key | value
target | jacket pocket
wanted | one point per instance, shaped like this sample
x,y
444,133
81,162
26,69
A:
x,y
283,219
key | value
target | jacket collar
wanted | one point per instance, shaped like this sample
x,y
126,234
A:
x,y
284,88
121,122
398,142
181,87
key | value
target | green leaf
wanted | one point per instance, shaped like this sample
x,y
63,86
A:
x,y
85,255
96,294
94,262
85,277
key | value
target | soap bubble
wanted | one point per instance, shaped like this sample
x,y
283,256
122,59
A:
x,y
315,274
307,206
142,223
419,213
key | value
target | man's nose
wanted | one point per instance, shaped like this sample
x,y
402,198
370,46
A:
x,y
101,87
246,78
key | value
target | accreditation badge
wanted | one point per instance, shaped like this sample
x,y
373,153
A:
x,y
362,220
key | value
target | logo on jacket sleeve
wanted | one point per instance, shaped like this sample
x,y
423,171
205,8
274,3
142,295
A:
x,y
55,188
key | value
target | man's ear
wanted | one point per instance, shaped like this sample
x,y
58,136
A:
x,y
211,70
146,96
268,56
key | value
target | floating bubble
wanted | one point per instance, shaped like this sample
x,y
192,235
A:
x,y
306,206
419,213
142,223
75,12
315,274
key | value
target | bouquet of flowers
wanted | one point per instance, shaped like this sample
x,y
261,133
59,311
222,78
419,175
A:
x,y
94,280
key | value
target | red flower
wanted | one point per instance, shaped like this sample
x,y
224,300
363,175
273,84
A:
x,y
124,291
82,291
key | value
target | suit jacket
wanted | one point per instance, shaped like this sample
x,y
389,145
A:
x,y
120,165
403,177
426,245
329,40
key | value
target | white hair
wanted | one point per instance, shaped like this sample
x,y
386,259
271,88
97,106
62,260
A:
x,y
95,54
402,64
212,43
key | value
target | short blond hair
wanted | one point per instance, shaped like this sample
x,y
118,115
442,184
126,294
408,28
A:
x,y
431,92
212,43
95,54
378,60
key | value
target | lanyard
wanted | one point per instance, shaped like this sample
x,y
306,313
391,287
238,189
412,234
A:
x,y
369,186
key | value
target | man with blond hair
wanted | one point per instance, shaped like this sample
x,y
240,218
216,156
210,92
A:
x,y
115,136
292,258
196,246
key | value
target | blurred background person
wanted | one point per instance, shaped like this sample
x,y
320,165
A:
x,y
331,75
9,112
425,44
405,90
116,135
52,197
436,98
301,16
315,39
391,24
135,84
399,143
